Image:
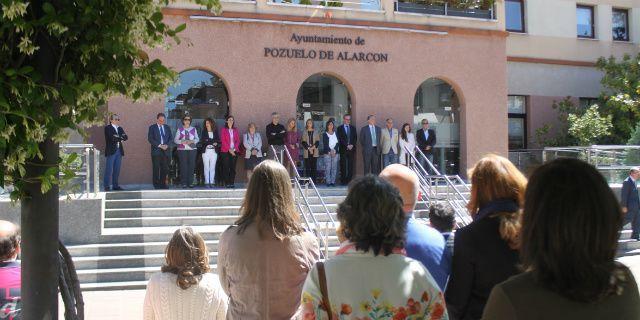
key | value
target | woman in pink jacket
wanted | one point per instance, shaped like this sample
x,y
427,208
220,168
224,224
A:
x,y
230,143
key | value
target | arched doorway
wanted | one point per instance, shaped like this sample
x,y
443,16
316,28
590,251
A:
x,y
322,97
438,102
199,93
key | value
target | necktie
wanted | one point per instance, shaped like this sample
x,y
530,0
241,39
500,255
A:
x,y
373,136
161,135
346,130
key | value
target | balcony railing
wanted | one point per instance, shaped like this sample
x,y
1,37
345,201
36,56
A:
x,y
444,9
348,4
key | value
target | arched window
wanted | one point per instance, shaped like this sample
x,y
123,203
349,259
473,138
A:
x,y
201,94
322,97
437,101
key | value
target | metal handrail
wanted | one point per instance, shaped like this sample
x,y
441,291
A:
x,y
317,226
453,195
89,169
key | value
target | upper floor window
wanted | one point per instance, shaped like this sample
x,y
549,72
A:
x,y
514,14
585,18
517,106
620,25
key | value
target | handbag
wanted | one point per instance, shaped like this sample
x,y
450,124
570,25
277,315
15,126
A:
x,y
322,277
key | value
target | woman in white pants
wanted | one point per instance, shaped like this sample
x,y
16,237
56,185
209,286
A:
x,y
209,143
408,141
331,156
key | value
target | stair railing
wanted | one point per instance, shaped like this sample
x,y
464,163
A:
x,y
303,204
438,187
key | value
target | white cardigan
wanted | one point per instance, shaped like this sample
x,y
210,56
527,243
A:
x,y
164,300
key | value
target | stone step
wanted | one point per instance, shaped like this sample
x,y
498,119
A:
x,y
194,202
126,261
180,220
200,193
155,234
131,248
188,211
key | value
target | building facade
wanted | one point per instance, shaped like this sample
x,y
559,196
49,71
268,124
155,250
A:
x,y
475,81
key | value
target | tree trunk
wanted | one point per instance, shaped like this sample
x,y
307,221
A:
x,y
39,212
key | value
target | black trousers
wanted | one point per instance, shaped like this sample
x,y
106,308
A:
x,y
310,165
228,168
187,160
347,160
371,161
160,163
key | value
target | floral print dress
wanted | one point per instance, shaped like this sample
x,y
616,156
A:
x,y
363,286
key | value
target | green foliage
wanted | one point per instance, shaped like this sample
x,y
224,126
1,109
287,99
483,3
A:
x,y
633,156
306,2
98,47
543,135
333,3
590,126
621,81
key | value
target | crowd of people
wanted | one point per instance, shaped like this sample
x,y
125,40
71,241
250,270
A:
x,y
538,249
211,154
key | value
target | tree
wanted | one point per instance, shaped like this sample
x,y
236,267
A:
x,y
590,126
59,61
543,136
621,81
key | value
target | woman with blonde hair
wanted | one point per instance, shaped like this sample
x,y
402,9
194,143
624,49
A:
x,y
265,257
485,252
252,142
292,141
185,289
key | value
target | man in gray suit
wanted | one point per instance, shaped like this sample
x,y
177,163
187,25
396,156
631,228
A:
x,y
370,142
631,202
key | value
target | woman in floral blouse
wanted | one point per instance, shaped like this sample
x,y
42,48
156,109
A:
x,y
370,277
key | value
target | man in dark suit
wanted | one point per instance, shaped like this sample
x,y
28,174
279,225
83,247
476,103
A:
x,y
631,202
114,151
426,140
347,138
371,148
159,137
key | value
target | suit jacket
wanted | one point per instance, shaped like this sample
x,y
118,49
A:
x,y
225,139
206,141
112,138
481,260
423,143
153,136
366,139
389,142
629,195
325,144
344,141
306,144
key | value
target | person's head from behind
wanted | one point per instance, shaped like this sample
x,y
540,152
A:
x,y
570,229
9,241
371,216
635,173
495,178
406,182
187,256
442,217
269,202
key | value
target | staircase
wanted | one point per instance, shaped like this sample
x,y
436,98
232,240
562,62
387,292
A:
x,y
138,225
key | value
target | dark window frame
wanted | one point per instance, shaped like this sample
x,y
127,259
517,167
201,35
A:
x,y
520,116
524,27
626,15
593,21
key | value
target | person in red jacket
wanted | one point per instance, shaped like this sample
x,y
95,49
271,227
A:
x,y
230,144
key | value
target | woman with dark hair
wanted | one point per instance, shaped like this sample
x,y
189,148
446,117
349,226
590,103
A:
x,y
485,252
407,142
209,145
187,138
230,143
292,141
370,273
265,257
185,289
330,147
310,143
569,234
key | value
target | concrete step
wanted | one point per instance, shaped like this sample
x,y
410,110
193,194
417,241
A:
x,y
127,261
194,202
188,211
201,193
132,248
155,234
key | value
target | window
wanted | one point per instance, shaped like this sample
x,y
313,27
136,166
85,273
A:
x,y
584,15
585,103
514,11
620,25
517,106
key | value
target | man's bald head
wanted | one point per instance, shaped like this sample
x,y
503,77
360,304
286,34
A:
x,y
406,181
9,240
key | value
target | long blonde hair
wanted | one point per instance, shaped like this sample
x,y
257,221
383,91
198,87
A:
x,y
187,256
269,202
494,178
295,126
